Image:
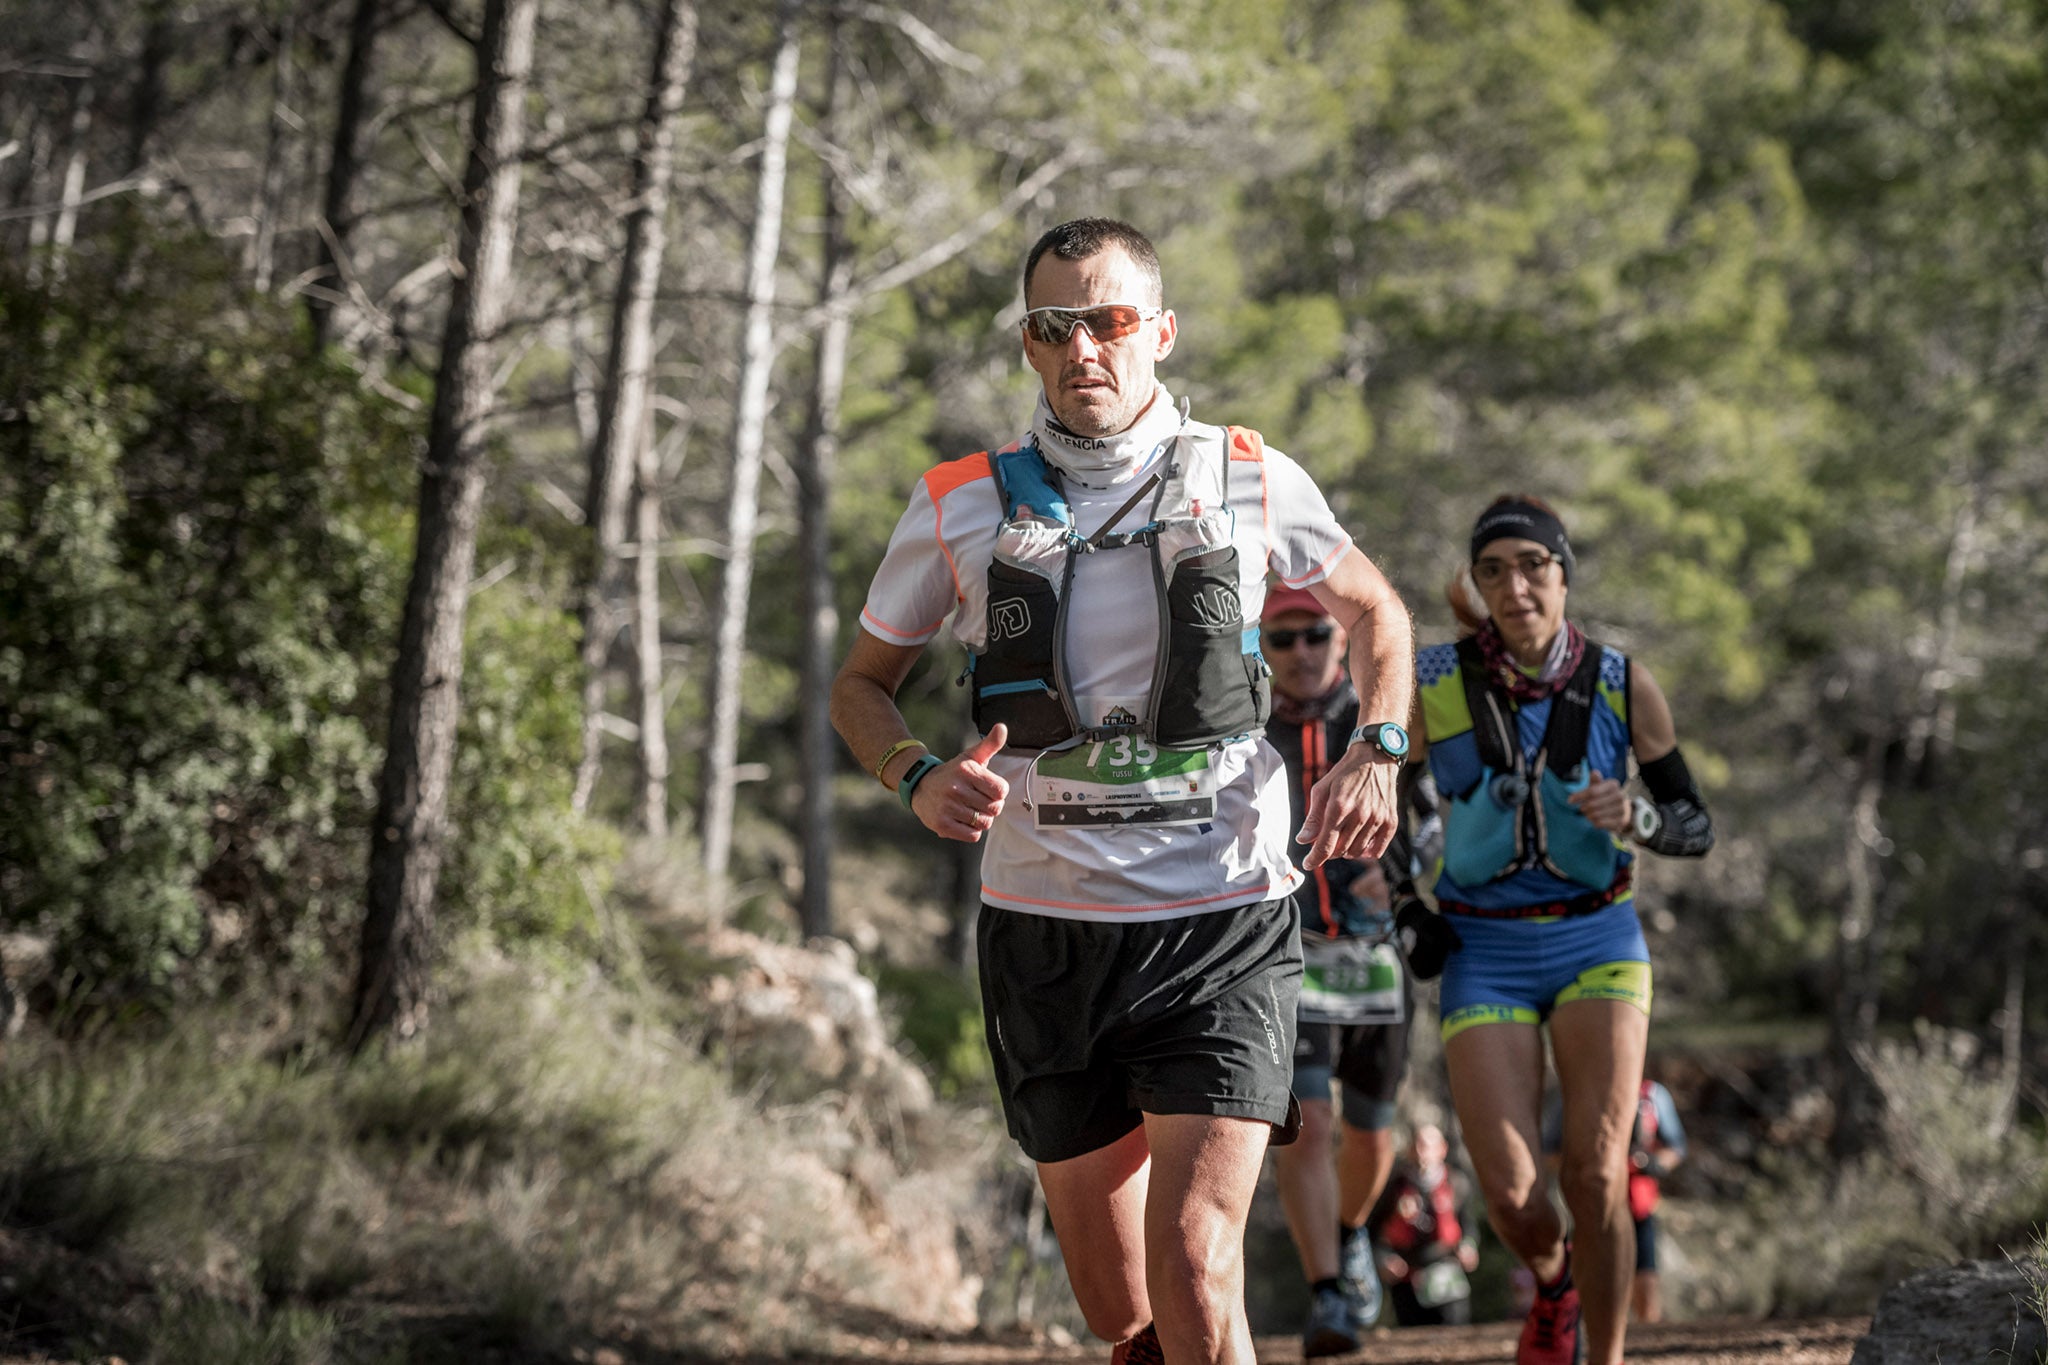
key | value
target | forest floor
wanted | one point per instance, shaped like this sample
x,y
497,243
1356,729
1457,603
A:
x,y
1820,1341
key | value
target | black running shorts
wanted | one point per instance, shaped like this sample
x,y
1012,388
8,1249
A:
x,y
1091,1026
1368,1059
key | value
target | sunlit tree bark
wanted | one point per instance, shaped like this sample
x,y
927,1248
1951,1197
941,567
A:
x,y
620,420
344,166
407,837
750,434
814,485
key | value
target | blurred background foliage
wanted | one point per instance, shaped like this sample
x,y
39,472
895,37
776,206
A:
x,y
1753,289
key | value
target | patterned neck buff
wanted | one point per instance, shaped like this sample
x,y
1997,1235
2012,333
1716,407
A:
x,y
1565,652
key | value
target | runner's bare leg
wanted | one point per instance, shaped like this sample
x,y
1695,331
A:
x,y
1497,1086
1097,1206
1598,1047
1308,1191
1204,1172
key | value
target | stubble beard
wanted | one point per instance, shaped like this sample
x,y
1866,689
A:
x,y
1110,412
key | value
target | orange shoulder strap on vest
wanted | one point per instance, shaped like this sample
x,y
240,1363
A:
x,y
1246,444
943,479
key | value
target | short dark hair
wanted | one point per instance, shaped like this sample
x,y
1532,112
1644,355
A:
x,y
1081,238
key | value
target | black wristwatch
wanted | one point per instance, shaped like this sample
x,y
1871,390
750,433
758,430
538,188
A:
x,y
1385,736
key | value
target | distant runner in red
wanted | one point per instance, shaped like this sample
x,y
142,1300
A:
x,y
1426,1246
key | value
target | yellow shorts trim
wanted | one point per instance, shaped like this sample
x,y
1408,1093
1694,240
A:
x,y
1472,1016
1628,982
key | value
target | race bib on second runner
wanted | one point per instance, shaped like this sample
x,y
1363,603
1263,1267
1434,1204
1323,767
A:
x,y
1123,780
1351,981
1441,1282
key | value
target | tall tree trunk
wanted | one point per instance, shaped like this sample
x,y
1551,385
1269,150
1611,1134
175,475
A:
x,y
757,356
820,759
412,795
146,100
1859,959
269,206
64,227
344,165
1866,920
621,430
653,804
2012,1017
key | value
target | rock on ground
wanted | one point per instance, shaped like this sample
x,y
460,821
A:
x,y
1967,1314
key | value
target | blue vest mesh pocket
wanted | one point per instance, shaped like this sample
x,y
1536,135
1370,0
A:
x,y
1480,835
1575,847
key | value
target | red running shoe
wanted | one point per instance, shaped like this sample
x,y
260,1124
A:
x,y
1142,1349
1550,1334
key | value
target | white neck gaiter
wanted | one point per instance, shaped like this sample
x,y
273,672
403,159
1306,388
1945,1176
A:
x,y
1105,461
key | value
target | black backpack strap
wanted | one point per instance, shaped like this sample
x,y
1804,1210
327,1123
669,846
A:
x,y
1490,708
1571,715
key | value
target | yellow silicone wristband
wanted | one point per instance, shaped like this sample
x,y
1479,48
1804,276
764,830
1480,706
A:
x,y
898,747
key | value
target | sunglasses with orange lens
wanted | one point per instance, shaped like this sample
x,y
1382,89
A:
x,y
1104,321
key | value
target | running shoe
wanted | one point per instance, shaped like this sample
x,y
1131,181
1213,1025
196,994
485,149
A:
x,y
1142,1349
1332,1327
1550,1334
1361,1277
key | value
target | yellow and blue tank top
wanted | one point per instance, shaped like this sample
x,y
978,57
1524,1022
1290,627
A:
x,y
1542,852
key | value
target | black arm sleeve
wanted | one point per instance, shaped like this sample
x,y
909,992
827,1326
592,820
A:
x,y
1685,829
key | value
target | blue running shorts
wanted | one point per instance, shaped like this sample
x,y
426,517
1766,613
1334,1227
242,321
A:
x,y
1516,971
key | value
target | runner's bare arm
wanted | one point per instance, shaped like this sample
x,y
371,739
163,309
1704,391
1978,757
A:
x,y
957,800
1351,811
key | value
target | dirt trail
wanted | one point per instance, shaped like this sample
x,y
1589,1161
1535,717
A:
x,y
1817,1342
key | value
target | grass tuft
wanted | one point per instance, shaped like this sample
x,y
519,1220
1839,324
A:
x,y
560,1159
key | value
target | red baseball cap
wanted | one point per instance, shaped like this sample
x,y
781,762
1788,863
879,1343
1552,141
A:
x,y
1281,598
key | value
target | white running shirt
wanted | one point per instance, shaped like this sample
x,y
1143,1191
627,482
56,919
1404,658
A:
x,y
937,566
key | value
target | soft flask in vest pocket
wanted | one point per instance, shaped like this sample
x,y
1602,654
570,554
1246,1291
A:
x,y
1014,678
1574,847
1212,679
1482,829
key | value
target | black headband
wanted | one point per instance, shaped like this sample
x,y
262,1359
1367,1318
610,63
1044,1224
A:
x,y
1523,521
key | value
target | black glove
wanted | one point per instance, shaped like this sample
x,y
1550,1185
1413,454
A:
x,y
1427,938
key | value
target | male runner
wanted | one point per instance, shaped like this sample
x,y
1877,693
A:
x,y
1139,948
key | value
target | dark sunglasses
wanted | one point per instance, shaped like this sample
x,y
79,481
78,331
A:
x,y
1315,635
1104,321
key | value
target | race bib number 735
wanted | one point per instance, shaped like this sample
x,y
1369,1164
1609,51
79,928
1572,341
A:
x,y
1123,780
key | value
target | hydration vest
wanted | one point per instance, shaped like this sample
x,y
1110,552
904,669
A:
x,y
1517,815
1210,683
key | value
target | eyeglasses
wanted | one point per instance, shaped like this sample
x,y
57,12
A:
x,y
1104,321
1281,640
1534,568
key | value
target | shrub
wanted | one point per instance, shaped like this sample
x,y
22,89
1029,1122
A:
x,y
205,535
1948,1180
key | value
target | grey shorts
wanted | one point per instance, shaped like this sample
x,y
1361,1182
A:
x,y
1092,1026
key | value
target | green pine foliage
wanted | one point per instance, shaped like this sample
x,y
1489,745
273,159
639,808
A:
x,y
203,547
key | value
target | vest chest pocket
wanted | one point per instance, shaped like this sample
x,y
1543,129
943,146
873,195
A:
x,y
1212,685
1013,679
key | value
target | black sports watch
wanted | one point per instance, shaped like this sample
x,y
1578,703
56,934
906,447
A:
x,y
1385,736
